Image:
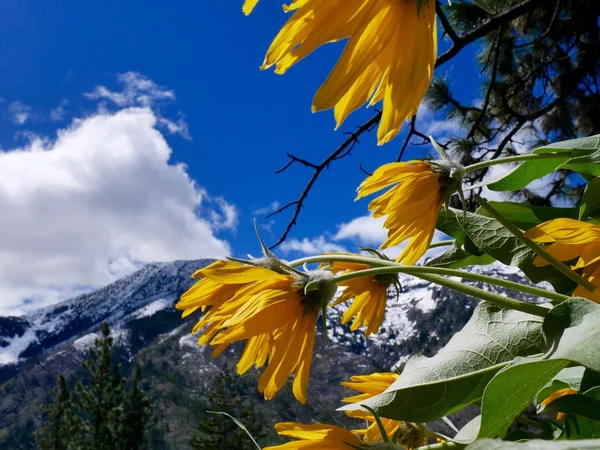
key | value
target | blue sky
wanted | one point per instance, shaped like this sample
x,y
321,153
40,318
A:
x,y
195,67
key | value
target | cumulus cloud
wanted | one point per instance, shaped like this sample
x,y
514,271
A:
x,y
95,204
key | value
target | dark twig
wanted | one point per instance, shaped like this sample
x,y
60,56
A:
x,y
347,144
488,94
487,26
545,33
294,159
412,131
446,23
363,170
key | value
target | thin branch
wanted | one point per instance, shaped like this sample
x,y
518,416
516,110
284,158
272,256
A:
x,y
491,85
545,33
446,23
294,159
412,131
489,25
348,143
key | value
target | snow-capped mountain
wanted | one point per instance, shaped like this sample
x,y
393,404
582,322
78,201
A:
x,y
154,287
35,348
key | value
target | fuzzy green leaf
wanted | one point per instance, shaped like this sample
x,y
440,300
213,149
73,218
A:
x,y
590,203
573,337
456,376
535,444
529,171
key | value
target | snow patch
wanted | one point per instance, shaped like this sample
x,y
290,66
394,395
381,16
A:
x,y
152,308
16,346
84,343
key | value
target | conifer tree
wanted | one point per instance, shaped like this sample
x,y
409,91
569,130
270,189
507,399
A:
x,y
219,432
136,415
60,431
100,398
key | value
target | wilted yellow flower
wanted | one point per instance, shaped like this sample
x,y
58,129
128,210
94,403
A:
x,y
569,239
411,204
558,394
390,54
369,294
249,6
370,386
266,308
315,437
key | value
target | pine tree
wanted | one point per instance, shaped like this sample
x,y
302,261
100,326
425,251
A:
x,y
60,429
136,415
100,398
219,432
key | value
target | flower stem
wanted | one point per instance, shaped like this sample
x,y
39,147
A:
x,y
441,244
441,445
517,158
533,246
490,297
413,270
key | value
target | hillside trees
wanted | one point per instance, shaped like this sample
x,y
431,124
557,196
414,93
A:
x,y
103,412
219,432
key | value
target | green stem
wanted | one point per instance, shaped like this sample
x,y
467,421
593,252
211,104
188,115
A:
x,y
490,297
413,270
533,246
511,159
441,446
441,244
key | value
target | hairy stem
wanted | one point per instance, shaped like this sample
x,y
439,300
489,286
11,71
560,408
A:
x,y
518,158
416,270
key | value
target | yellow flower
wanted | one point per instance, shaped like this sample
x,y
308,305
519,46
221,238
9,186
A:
x,y
315,437
369,294
249,6
267,309
370,386
558,394
411,204
569,239
390,55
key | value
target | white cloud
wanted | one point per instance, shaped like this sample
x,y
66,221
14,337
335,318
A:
x,y
20,112
369,232
58,114
431,125
137,91
312,246
267,209
364,230
96,203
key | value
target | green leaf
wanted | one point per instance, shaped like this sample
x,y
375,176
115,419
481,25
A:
x,y
529,171
469,432
567,378
511,390
579,427
587,164
456,376
590,202
527,216
492,238
535,444
484,5
579,404
573,336
456,258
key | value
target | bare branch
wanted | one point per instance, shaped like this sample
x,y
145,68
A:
x,y
487,26
348,143
294,159
491,85
445,23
